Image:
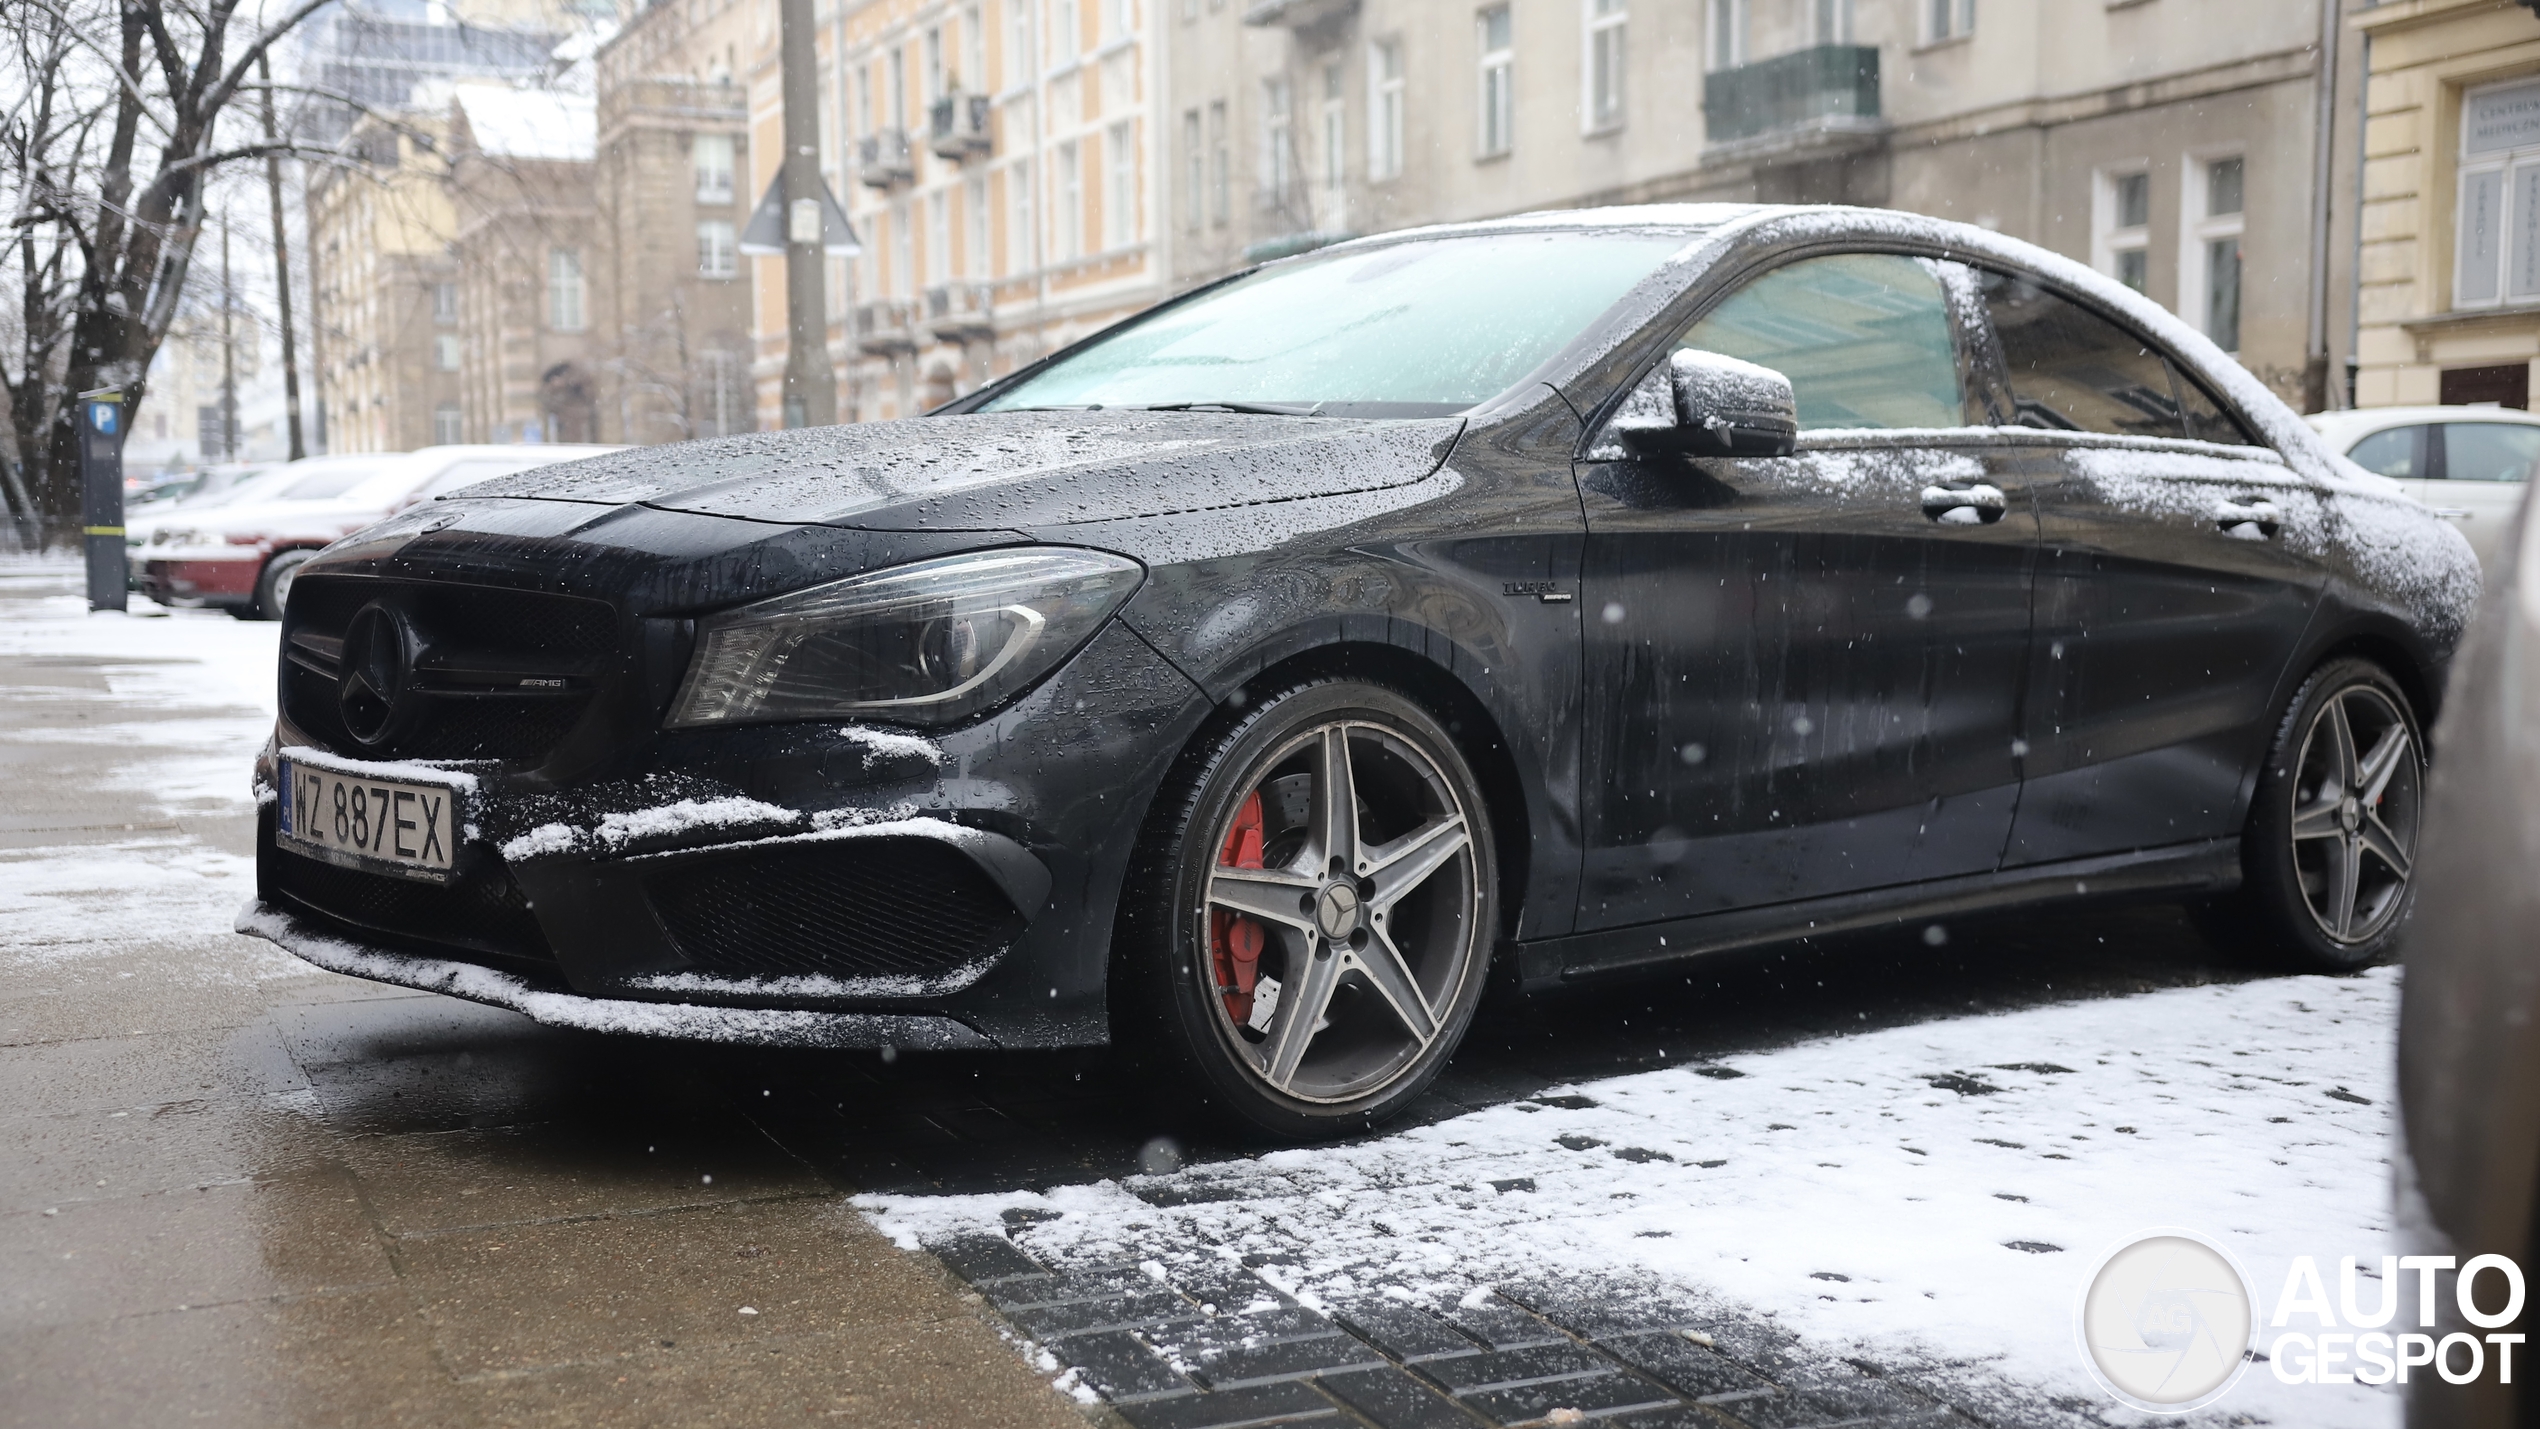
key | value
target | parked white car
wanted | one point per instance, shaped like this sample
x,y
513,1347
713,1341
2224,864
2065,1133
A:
x,y
2471,464
240,557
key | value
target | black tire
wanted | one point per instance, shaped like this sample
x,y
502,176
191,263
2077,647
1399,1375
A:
x,y
273,586
1396,961
2328,855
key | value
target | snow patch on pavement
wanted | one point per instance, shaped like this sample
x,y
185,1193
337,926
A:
x,y
1936,1191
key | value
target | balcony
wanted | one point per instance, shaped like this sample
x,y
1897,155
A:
x,y
961,312
1828,90
957,127
883,160
887,328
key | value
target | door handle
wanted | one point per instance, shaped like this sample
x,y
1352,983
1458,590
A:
x,y
2252,518
1973,505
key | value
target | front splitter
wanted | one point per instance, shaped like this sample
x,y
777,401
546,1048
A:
x,y
681,1021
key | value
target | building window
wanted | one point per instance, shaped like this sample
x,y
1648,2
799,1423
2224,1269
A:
x,y
1384,109
2124,207
903,252
2497,233
449,426
1221,166
1120,19
1830,22
895,89
938,236
1335,143
445,303
1071,202
1498,127
1018,217
564,289
445,351
1018,43
1278,149
1120,195
722,403
1724,43
713,160
974,52
717,257
2210,292
1194,173
1067,34
933,74
1948,19
974,219
1603,80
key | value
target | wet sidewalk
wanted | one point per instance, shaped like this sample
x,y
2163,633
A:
x,y
237,1190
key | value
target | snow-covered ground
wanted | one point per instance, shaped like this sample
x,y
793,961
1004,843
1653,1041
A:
x,y
194,697
1936,1191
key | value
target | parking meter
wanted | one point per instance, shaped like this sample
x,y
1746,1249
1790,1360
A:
x,y
101,431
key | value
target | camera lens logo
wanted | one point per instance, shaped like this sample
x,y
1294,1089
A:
x,y
2166,1322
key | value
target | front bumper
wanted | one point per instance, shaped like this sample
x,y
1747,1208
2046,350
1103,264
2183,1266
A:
x,y
224,581
764,1027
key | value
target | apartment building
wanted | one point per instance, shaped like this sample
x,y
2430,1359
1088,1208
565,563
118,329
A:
x,y
2450,239
384,354
670,300
2176,144
995,158
524,243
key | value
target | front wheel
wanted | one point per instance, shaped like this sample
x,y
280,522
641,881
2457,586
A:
x,y
1314,916
2329,856
273,586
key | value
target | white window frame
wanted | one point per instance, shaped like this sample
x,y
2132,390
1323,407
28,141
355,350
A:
x,y
938,237
931,73
1071,201
2198,228
1194,173
1724,26
1495,112
2110,237
445,352
566,291
1119,19
1016,62
718,256
1067,33
1335,133
1018,217
1944,21
1604,64
1830,22
449,425
1387,97
1120,191
2507,176
976,257
714,157
445,303
1278,138
972,77
903,251
1221,166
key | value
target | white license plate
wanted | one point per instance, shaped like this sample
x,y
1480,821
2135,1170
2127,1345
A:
x,y
384,825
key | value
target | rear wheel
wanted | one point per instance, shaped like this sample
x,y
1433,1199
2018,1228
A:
x,y
273,587
2329,855
1312,922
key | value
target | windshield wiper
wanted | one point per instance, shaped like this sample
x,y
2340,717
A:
x,y
1265,409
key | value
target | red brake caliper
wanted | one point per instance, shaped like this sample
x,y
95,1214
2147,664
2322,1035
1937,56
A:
x,y
1235,939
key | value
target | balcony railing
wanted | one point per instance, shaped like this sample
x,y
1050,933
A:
x,y
961,312
1827,87
887,328
957,126
883,160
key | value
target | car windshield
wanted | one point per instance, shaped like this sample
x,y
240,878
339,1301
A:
x,y
1422,328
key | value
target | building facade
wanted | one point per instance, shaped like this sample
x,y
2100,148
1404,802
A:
x,y
2178,151
671,343
996,158
524,241
384,354
2449,277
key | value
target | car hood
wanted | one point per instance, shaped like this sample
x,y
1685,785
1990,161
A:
x,y
1002,471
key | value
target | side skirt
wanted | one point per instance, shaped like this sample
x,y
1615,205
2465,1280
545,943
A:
x,y
2206,866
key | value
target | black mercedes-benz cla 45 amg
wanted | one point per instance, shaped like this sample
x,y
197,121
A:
x,y
1249,683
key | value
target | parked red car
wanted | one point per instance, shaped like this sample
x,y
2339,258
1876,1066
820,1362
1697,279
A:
x,y
240,557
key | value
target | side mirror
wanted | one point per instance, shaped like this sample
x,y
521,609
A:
x,y
1707,404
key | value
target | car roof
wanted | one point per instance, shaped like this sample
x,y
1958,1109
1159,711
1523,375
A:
x,y
2357,424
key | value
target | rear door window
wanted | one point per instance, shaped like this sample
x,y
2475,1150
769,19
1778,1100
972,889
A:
x,y
2489,451
2072,370
2398,453
1864,338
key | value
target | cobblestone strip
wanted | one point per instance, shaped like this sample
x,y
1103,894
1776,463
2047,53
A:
x,y
1223,1348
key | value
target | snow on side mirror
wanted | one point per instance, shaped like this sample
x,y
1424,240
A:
x,y
1711,405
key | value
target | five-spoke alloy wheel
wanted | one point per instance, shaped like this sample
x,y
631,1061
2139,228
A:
x,y
1331,909
2331,844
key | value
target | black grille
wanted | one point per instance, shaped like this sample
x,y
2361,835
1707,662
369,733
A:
x,y
483,912
480,644
864,908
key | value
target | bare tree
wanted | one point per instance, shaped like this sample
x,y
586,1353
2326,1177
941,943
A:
x,y
116,131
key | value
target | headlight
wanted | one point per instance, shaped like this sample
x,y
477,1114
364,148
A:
x,y
929,643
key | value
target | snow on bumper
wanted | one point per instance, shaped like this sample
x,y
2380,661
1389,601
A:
x,y
677,1020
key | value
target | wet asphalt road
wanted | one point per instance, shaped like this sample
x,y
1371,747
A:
x,y
237,1190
